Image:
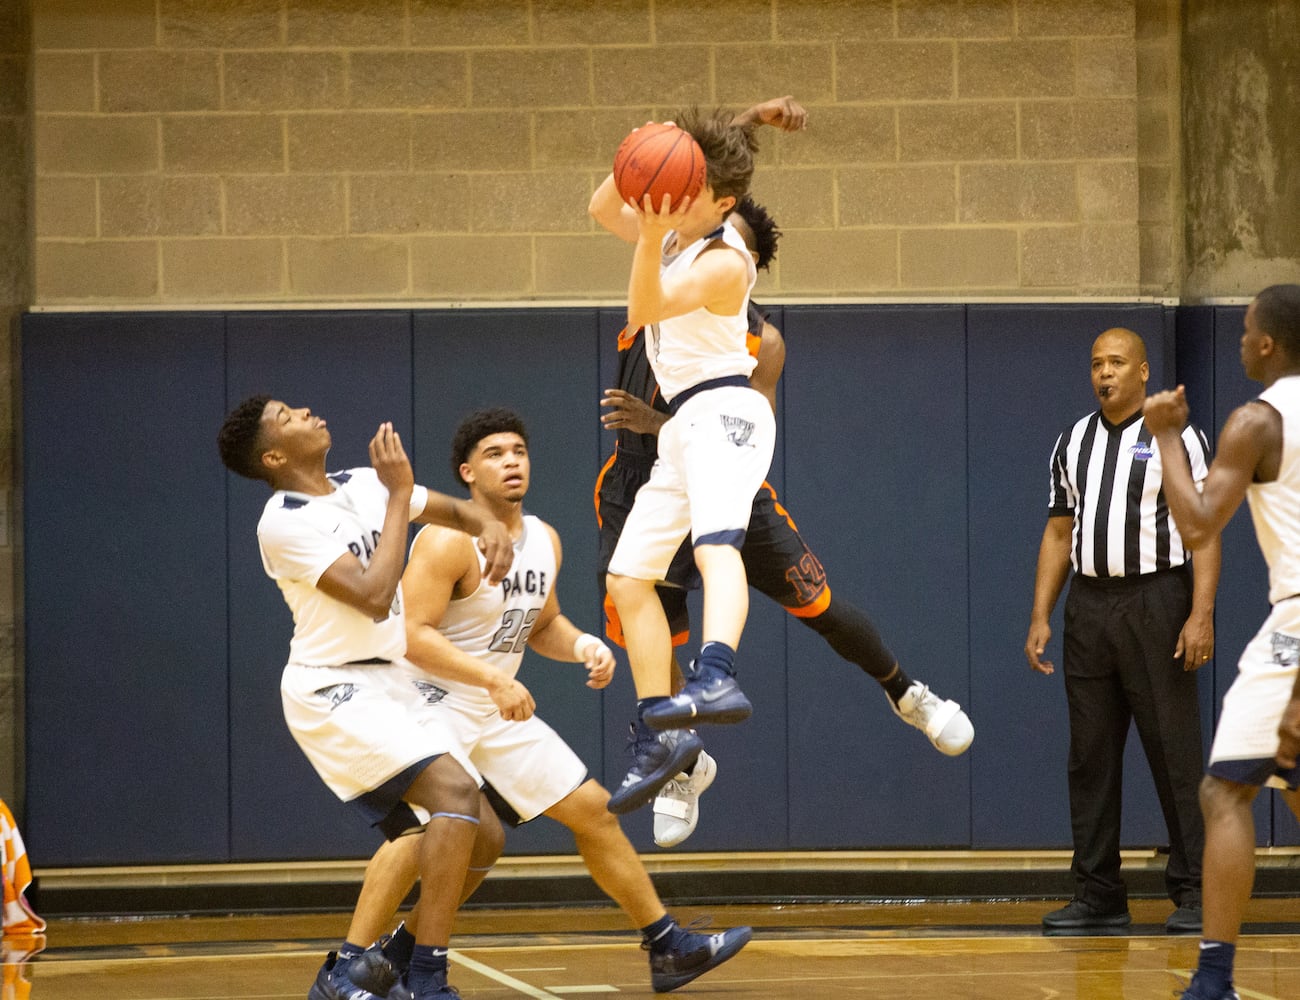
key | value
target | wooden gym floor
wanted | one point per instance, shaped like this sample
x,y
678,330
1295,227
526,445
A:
x,y
900,951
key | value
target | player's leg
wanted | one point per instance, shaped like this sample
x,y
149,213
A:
x,y
780,565
722,441
654,531
677,956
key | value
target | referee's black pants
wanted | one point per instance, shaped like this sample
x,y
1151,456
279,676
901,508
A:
x,y
1119,664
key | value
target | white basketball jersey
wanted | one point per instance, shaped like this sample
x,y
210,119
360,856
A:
x,y
494,623
300,536
700,345
1275,506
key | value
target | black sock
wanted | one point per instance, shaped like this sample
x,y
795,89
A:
x,y
1215,967
896,686
348,951
660,935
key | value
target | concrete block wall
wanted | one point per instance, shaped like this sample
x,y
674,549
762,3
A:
x,y
341,150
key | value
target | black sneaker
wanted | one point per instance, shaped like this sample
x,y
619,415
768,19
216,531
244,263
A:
x,y
1193,993
694,955
1079,915
709,695
1184,920
657,758
374,971
334,983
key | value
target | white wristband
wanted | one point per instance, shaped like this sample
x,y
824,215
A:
x,y
581,643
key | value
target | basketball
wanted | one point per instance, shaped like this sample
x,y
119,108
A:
x,y
658,159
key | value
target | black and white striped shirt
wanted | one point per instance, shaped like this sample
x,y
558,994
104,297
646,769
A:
x,y
1109,478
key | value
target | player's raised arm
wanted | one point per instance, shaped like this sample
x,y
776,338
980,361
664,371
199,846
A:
x,y
469,517
608,208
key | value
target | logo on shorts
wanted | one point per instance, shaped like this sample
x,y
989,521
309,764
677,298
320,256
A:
x,y
337,694
1142,452
1286,649
739,431
431,693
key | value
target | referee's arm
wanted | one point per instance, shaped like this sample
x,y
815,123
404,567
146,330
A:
x,y
1053,568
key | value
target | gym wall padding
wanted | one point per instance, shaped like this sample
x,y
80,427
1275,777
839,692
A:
x,y
912,452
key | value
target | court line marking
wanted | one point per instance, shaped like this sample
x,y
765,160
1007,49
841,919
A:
x,y
496,975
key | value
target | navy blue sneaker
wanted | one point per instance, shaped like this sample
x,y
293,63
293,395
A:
x,y
374,971
694,955
436,990
1193,993
657,758
709,695
334,983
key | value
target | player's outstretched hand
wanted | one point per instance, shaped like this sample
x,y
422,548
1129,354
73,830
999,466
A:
x,y
513,700
1166,411
784,113
1288,748
1034,646
388,458
630,413
498,551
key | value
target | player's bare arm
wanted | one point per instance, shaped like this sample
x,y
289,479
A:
x,y
443,566
371,588
717,280
784,113
609,210
1250,448
464,515
557,638
771,362
1049,578
626,412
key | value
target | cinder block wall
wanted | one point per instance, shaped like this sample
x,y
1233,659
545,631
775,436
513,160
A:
x,y
372,150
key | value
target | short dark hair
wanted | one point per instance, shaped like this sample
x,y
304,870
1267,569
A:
x,y
763,227
728,149
1277,313
240,438
478,425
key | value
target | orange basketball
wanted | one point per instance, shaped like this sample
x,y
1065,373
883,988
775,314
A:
x,y
659,159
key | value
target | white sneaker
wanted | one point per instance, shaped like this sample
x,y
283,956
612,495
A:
x,y
677,808
943,721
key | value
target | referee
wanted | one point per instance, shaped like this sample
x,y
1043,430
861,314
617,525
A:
x,y
1137,624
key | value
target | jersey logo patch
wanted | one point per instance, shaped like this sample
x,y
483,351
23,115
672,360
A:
x,y
431,693
1142,452
337,694
1286,649
739,431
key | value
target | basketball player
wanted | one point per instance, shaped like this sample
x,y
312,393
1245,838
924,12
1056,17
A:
x,y
469,634
690,282
334,544
778,563
1258,736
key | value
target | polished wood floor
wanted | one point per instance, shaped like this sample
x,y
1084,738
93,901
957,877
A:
x,y
898,951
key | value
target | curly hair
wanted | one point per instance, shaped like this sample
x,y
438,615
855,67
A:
x,y
1277,313
728,149
475,427
240,438
763,233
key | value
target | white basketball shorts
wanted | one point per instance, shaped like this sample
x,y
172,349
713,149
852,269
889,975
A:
x,y
1246,739
714,454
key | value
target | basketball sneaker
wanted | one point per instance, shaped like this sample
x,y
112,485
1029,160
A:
x,y
709,695
374,971
677,806
941,720
656,757
1193,993
334,983
693,956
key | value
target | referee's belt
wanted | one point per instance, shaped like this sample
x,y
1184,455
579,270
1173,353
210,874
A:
x,y
1132,580
676,402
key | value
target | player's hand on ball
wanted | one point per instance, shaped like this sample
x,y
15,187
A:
x,y
498,551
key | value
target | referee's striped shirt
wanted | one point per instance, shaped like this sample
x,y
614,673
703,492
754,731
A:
x,y
1109,478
